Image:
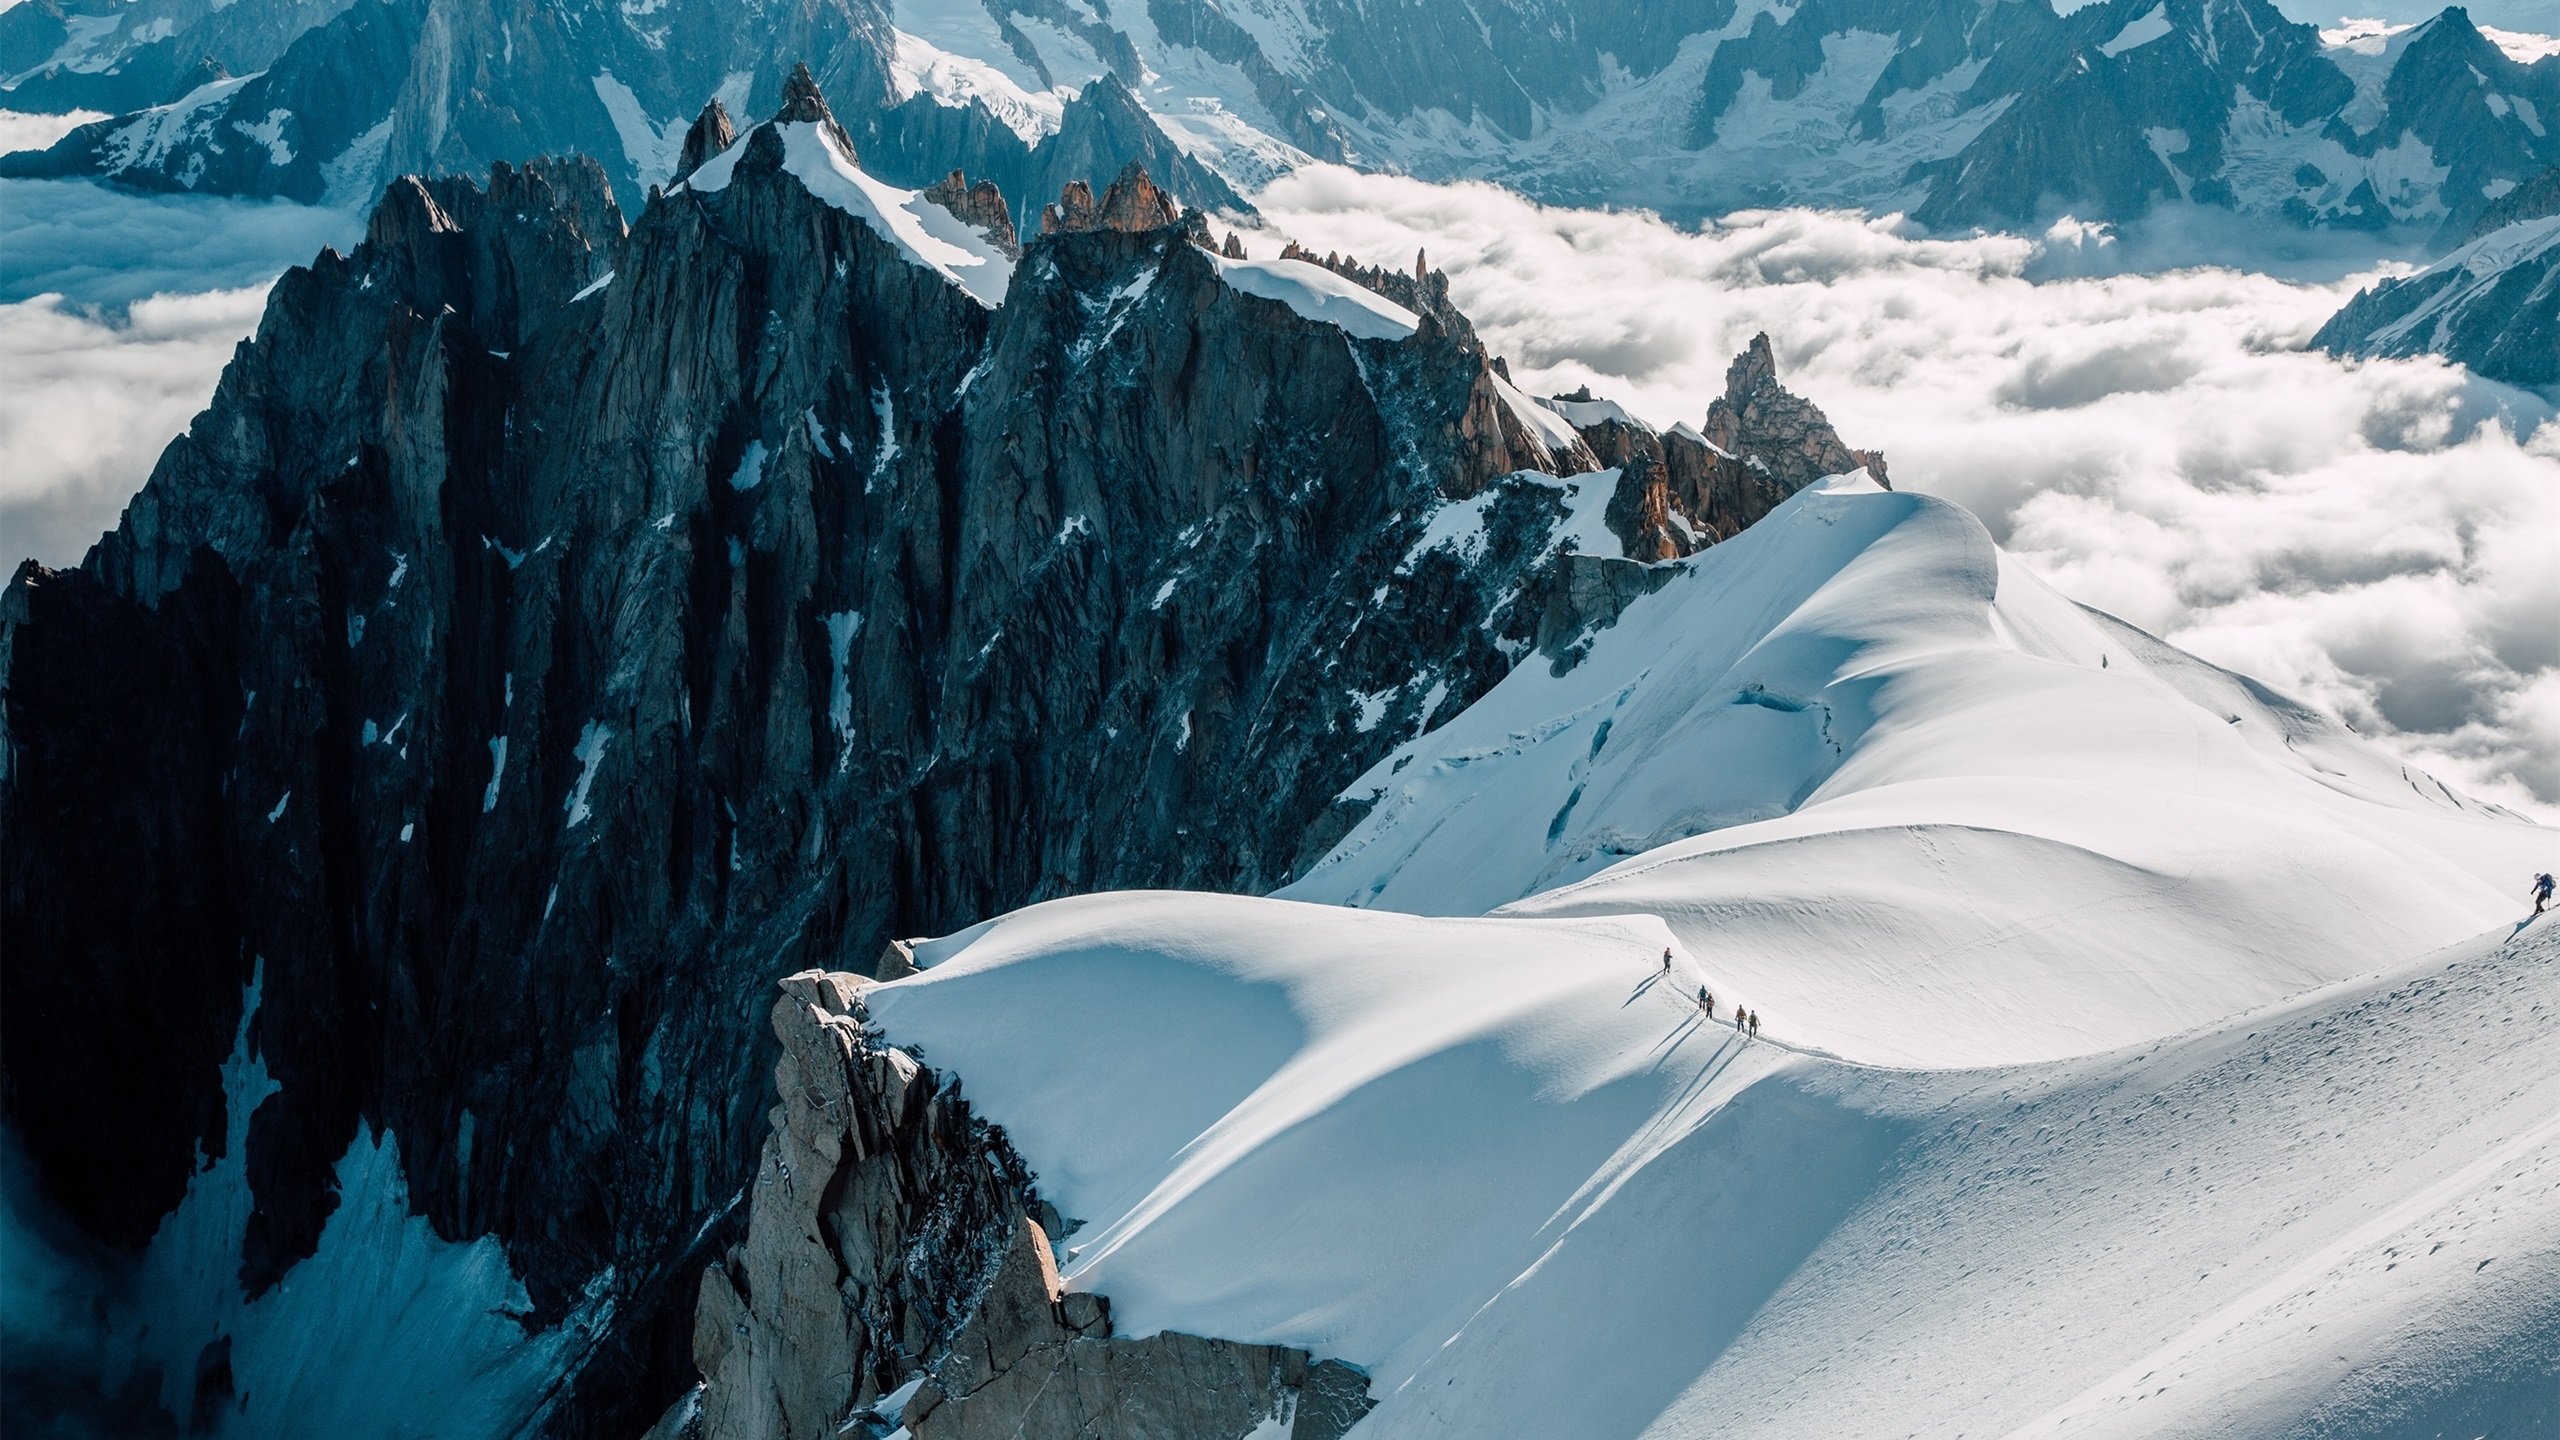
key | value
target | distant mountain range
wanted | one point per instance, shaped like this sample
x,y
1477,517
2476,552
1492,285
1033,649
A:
x,y
2493,304
1957,112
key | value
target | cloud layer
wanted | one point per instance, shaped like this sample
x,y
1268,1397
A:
x,y
2374,538
117,312
91,402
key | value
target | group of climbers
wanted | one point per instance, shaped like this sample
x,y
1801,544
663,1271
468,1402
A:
x,y
1746,1022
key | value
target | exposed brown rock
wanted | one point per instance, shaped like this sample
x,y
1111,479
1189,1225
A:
x,y
1133,204
893,1236
1073,210
981,205
1760,420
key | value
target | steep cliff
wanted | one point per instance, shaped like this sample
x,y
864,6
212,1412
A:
x,y
551,632
897,1272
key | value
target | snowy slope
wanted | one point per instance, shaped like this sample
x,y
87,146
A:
x,y
1509,1171
2218,1082
1924,810
925,233
1320,295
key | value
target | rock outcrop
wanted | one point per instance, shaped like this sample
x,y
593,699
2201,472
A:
x,y
550,632
2492,305
980,206
1684,489
1132,204
896,1273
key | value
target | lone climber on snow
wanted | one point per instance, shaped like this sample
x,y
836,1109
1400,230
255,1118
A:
x,y
2541,892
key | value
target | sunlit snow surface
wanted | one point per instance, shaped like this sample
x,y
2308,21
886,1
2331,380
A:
x,y
1320,295
1884,778
925,233
2298,1171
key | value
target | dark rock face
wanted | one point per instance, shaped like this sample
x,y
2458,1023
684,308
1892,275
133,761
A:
x,y
57,56
550,633
2531,200
895,1238
2493,305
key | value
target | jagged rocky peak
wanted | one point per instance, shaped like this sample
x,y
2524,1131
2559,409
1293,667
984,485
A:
x,y
1770,427
1132,204
981,205
712,132
1683,489
802,103
549,661
897,1274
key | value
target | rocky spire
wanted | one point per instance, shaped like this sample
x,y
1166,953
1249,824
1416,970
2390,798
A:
x,y
802,103
1776,432
1073,210
1132,204
981,205
713,131
1234,248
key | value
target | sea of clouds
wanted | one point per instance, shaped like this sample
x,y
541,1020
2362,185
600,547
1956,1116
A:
x,y
117,312
2382,539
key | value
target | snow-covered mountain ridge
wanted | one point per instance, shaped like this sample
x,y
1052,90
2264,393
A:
x,y
2083,968
1519,1179
1961,114
1937,813
554,627
2493,303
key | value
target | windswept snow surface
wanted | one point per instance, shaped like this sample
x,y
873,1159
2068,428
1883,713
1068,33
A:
x,y
1872,771
2143,1055
924,232
1510,1171
1320,295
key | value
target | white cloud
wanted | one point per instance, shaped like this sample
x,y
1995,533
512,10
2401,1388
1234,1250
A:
x,y
22,131
91,400
117,312
110,247
2373,538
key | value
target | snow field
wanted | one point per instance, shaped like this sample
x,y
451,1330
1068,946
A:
x,y
1933,812
2099,1093
1512,1172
